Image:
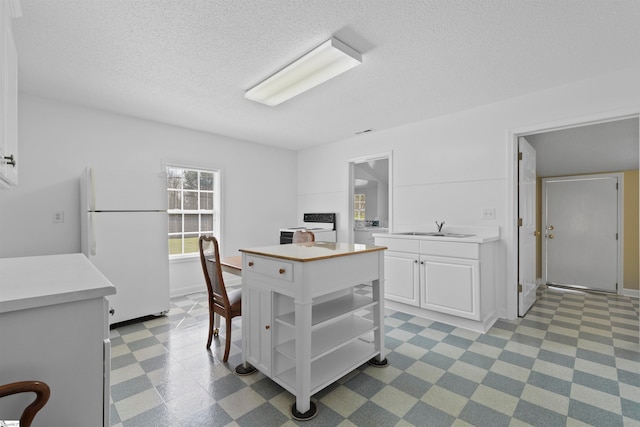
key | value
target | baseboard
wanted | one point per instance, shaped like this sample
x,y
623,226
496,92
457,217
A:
x,y
633,293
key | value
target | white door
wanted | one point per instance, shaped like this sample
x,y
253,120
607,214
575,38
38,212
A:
x,y
580,220
527,234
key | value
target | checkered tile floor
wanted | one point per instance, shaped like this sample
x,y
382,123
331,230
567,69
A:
x,y
574,359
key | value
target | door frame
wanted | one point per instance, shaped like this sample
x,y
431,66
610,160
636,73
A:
x,y
619,229
362,159
511,227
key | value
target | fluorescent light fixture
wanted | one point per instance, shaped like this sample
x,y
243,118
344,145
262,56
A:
x,y
323,63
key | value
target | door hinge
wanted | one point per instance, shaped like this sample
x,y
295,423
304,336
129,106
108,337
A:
x,y
616,185
616,236
519,155
519,222
519,287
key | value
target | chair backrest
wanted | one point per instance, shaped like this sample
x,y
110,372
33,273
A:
x,y
210,260
301,236
41,390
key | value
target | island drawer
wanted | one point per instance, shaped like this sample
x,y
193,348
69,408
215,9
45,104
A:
x,y
275,268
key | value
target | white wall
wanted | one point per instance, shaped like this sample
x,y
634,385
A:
x,y
58,140
451,167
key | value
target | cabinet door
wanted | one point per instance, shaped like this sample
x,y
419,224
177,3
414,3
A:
x,y
451,285
257,316
401,277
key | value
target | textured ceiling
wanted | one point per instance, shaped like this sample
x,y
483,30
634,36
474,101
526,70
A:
x,y
189,62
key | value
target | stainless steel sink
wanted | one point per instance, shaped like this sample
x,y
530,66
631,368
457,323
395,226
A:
x,y
434,234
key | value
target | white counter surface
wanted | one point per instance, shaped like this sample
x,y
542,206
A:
x,y
311,251
30,282
478,237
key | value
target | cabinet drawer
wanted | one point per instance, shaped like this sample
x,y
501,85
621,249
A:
x,y
452,249
277,269
400,245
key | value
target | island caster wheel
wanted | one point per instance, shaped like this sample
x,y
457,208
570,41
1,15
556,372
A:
x,y
243,370
216,332
378,364
312,412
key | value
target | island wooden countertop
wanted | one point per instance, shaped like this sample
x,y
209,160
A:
x,y
312,251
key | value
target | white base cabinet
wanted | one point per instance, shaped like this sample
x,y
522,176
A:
x,y
54,328
302,324
448,281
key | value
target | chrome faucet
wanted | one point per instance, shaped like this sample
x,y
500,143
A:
x,y
439,225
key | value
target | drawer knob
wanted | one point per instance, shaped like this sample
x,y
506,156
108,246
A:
x,y
267,327
250,263
281,271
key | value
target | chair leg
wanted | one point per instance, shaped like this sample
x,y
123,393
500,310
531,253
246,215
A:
x,y
227,341
210,328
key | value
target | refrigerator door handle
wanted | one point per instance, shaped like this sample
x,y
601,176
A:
x,y
92,234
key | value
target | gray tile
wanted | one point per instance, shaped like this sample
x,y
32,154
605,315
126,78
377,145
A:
x,y
492,341
557,358
223,387
549,383
457,341
364,385
596,382
129,388
158,416
595,357
517,359
537,415
368,412
526,340
595,338
480,415
267,388
411,327
632,378
411,385
264,415
442,327
122,361
423,342
594,416
457,384
562,339
504,384
630,409
422,414
438,360
478,360
214,415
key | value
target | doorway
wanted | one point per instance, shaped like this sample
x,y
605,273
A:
x,y
370,194
582,156
581,226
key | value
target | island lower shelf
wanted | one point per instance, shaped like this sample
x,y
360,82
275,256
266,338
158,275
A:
x,y
327,369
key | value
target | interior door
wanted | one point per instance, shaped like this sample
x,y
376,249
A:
x,y
527,234
580,219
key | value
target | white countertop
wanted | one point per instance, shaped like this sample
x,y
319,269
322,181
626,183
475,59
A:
x,y
30,282
312,251
479,236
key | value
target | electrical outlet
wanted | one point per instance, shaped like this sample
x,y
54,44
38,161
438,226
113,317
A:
x,y
58,216
488,214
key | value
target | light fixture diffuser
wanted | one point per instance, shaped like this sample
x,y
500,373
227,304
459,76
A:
x,y
323,63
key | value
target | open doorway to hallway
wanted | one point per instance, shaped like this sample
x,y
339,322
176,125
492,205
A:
x,y
606,146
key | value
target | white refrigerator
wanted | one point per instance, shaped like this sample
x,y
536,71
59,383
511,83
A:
x,y
124,234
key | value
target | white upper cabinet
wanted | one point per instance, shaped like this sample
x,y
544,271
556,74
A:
x,y
8,95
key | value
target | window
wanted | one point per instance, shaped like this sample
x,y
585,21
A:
x,y
194,199
359,207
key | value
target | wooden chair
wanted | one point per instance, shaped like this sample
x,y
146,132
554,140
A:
x,y
301,236
41,390
221,302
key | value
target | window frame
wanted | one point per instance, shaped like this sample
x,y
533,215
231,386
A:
x,y
361,202
216,211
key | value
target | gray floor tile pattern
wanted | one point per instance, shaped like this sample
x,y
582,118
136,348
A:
x,y
574,359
